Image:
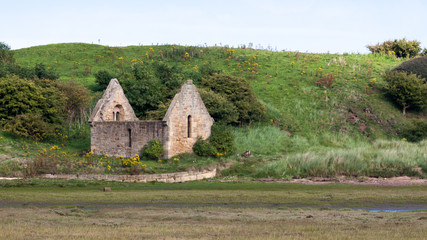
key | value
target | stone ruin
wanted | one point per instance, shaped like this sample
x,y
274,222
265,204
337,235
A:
x,y
115,130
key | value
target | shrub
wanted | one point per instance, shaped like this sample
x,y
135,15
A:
x,y
401,48
153,149
38,106
102,79
415,132
30,125
416,66
204,148
408,90
41,72
222,139
222,110
239,92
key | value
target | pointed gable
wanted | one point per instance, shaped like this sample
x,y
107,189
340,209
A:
x,y
187,119
113,106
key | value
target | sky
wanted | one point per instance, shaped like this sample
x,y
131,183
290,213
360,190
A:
x,y
340,26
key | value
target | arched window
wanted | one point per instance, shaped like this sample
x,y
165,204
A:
x,y
118,113
189,126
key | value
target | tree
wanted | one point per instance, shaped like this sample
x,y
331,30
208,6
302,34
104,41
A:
x,y
407,89
6,56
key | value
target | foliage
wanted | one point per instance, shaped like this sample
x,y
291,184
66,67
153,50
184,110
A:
x,y
415,132
222,139
102,79
153,149
401,48
407,89
29,125
222,110
144,92
27,99
41,72
380,159
204,148
416,66
239,92
6,55
326,81
77,99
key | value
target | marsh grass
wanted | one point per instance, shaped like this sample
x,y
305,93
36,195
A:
x,y
380,159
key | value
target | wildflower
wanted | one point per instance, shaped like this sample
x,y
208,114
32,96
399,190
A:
x,y
1,137
109,168
373,80
404,139
160,160
176,159
120,58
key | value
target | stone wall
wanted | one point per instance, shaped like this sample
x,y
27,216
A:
x,y
187,119
125,138
164,177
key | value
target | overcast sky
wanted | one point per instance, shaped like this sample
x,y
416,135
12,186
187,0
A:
x,y
298,25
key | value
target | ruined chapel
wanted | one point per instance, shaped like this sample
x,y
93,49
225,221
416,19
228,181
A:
x,y
116,131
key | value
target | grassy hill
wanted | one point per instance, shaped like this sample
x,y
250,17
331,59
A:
x,y
321,104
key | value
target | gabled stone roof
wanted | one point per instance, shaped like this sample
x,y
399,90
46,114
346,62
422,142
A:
x,y
113,96
187,95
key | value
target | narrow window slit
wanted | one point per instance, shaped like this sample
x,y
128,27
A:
x,y
189,127
130,137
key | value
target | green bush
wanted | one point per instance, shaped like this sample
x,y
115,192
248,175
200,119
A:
x,y
415,132
153,149
222,139
222,110
416,66
102,79
239,92
408,90
204,148
28,107
41,72
401,48
30,125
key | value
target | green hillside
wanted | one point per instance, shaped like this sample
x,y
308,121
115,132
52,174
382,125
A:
x,y
284,81
321,104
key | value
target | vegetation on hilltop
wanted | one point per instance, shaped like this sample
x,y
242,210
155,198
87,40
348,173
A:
x,y
293,102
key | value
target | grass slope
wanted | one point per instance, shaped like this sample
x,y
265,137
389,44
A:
x,y
316,102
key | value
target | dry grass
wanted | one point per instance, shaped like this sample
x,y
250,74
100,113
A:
x,y
209,223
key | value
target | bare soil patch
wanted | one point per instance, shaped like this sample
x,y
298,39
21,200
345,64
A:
x,y
394,181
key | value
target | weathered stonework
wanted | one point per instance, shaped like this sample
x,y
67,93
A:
x,y
187,119
116,131
176,177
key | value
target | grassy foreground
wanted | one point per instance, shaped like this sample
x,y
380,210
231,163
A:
x,y
209,223
45,209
